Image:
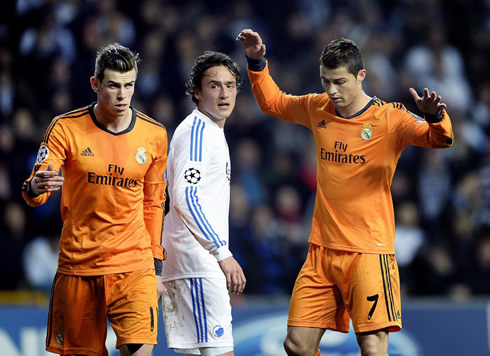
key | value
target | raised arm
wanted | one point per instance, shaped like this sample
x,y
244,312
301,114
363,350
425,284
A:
x,y
252,44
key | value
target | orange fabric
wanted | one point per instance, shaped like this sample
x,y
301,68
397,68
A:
x,y
129,300
113,194
356,161
335,286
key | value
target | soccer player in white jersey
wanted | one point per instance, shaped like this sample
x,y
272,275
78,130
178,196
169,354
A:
x,y
200,270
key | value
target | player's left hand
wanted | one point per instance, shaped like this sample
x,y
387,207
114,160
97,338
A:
x,y
428,103
235,279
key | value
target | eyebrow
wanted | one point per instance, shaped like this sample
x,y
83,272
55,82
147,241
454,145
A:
x,y
114,82
212,81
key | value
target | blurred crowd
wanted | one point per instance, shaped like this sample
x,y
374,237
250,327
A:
x,y
441,197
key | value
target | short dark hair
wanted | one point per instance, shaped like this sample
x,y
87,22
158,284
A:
x,y
208,60
342,52
116,57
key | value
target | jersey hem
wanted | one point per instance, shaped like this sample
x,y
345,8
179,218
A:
x,y
103,273
354,249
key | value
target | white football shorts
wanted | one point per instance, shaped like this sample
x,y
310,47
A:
x,y
197,315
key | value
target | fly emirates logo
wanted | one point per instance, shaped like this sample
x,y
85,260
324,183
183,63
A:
x,y
113,177
340,155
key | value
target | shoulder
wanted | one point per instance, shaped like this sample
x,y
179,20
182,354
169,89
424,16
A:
x,y
389,108
67,120
72,115
148,121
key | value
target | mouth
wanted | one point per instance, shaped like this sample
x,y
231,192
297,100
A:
x,y
223,105
121,106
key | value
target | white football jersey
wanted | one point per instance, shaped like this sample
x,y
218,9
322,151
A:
x,y
195,233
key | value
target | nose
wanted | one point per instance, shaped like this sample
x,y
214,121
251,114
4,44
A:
x,y
121,93
223,94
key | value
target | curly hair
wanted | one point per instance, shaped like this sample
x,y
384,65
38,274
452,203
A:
x,y
208,60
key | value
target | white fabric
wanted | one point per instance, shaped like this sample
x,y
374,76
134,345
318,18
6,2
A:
x,y
197,316
196,227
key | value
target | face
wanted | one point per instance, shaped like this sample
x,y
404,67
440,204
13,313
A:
x,y
218,94
114,92
342,87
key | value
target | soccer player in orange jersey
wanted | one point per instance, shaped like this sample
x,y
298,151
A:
x,y
113,160
350,272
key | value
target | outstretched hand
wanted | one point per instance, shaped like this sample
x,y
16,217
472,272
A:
x,y
252,44
46,181
428,104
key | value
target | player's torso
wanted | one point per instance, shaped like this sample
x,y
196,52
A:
x,y
199,175
102,197
104,170
355,152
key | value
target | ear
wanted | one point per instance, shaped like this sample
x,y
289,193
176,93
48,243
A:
x,y
197,93
361,75
94,83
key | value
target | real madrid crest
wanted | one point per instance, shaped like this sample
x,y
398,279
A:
x,y
59,338
366,132
141,155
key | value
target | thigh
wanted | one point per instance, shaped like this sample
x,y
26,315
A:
x,y
197,313
77,316
372,293
316,301
144,350
133,307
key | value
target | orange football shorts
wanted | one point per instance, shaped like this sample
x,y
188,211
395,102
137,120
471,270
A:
x,y
81,305
334,287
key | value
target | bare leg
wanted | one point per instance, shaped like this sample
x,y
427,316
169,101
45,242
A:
x,y
373,343
144,350
302,341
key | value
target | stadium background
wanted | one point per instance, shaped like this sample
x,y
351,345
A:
x,y
442,198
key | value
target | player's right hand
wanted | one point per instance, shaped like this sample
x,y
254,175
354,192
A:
x,y
252,44
46,181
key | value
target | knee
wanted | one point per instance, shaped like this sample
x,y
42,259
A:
x,y
295,347
373,344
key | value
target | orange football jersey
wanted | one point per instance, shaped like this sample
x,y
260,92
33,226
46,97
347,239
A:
x,y
356,160
113,193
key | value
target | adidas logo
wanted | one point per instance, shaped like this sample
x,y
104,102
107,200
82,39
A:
x,y
322,124
87,152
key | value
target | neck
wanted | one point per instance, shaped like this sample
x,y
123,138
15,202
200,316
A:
x,y
219,122
113,123
357,105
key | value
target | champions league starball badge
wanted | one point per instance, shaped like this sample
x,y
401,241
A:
x,y
141,155
42,154
192,175
366,132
